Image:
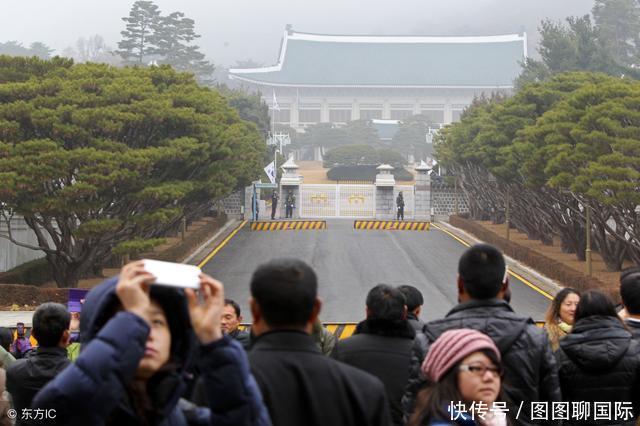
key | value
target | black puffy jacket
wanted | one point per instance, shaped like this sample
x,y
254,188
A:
x,y
599,361
634,328
530,367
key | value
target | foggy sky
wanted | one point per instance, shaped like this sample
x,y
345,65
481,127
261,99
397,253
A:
x,y
235,30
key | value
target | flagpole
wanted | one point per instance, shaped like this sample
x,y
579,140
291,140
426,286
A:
x,y
273,136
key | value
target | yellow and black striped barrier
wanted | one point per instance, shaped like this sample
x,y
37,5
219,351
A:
x,y
341,330
399,225
280,225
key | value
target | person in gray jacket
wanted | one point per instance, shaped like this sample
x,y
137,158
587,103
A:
x,y
530,368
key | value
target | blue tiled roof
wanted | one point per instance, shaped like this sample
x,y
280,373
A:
x,y
317,60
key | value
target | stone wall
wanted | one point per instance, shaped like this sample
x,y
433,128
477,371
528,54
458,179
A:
x,y
385,203
232,204
443,199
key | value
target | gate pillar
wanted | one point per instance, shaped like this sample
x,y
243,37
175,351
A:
x,y
290,181
422,206
385,204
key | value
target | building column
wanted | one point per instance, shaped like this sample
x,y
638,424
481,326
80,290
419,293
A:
x,y
385,182
422,194
448,113
324,111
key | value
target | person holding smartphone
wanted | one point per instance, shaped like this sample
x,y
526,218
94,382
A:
x,y
137,340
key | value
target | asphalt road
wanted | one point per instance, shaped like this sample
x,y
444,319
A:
x,y
349,262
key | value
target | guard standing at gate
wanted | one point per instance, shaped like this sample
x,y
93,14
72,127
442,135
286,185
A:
x,y
289,203
400,206
274,203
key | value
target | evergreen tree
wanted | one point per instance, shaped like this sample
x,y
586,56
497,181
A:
x,y
101,160
40,50
173,35
618,22
137,44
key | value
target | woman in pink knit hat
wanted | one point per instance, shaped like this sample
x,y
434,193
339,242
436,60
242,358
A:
x,y
464,372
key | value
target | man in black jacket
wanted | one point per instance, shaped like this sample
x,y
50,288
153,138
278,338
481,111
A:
x,y
630,294
300,385
531,373
414,305
381,344
231,319
26,376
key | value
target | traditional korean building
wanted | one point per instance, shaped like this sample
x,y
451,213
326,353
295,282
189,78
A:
x,y
338,78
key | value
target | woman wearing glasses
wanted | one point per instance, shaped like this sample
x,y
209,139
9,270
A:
x,y
464,372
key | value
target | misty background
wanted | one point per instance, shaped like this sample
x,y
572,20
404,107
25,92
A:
x,y
245,30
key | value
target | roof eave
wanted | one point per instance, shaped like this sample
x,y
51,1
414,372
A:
x,y
370,86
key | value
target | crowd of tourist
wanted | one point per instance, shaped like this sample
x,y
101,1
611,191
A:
x,y
155,355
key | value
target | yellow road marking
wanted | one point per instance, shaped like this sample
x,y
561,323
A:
x,y
521,278
222,244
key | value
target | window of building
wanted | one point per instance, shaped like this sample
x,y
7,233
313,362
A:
x,y
281,116
309,116
339,115
401,114
433,116
369,114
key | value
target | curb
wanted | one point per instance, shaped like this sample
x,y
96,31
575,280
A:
x,y
205,248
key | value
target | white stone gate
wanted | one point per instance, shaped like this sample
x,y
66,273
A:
x,y
340,201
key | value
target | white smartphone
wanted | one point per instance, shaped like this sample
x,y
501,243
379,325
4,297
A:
x,y
173,274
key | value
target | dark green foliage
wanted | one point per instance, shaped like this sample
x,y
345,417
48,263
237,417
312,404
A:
x,y
93,156
556,147
364,173
608,45
411,137
250,106
20,69
35,272
358,132
351,155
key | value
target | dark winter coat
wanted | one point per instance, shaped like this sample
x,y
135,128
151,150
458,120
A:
x,y
26,376
301,386
530,368
95,390
415,322
243,337
600,361
382,348
634,328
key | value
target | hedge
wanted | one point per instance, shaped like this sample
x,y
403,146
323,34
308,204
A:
x,y
367,173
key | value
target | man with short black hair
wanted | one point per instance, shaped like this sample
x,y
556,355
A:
x,y
26,376
299,384
630,295
530,368
381,344
231,319
414,305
